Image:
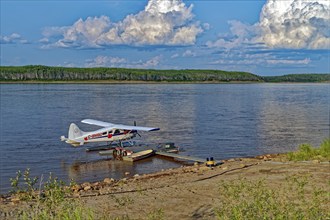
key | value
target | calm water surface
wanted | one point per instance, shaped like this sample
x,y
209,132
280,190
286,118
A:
x,y
219,120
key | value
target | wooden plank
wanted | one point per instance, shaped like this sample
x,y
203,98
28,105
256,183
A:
x,y
139,155
106,153
182,157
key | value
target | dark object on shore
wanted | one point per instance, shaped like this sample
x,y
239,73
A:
x,y
210,162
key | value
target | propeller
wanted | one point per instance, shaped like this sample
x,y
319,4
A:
x,y
136,131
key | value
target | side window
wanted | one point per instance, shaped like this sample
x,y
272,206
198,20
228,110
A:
x,y
104,133
117,132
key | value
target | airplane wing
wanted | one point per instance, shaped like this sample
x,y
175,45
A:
x,y
117,126
138,128
98,123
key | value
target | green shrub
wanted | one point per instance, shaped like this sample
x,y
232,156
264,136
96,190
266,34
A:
x,y
308,152
325,148
244,199
67,210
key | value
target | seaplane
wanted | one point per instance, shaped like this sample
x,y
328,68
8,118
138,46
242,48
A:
x,y
108,133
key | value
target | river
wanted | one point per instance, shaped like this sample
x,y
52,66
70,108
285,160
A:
x,y
218,120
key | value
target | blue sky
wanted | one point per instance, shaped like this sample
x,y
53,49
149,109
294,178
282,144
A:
x,y
271,37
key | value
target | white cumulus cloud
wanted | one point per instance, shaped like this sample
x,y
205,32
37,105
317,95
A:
x,y
105,61
240,34
286,24
14,38
162,22
302,62
153,62
267,59
189,53
110,61
296,24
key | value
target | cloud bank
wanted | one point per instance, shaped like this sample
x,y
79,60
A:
x,y
14,38
289,24
295,24
167,23
109,61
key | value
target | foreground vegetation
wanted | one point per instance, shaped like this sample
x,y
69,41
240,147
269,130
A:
x,y
308,152
54,200
296,198
49,199
291,196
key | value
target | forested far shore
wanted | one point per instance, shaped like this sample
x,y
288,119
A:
x,y
298,78
47,73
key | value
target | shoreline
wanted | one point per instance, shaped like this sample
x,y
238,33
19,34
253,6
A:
x,y
148,82
184,192
125,82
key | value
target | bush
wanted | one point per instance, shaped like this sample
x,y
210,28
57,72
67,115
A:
x,y
308,152
244,199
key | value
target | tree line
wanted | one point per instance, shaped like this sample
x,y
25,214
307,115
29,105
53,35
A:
x,y
47,73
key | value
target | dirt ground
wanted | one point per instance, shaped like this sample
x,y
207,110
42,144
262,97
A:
x,y
189,192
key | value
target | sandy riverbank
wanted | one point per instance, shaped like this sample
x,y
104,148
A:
x,y
191,192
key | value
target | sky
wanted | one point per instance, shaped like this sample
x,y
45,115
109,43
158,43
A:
x,y
272,37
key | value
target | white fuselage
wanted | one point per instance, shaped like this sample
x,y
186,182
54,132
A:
x,y
102,135
109,133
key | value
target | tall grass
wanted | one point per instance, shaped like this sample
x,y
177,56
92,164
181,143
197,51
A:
x,y
48,200
244,199
308,152
52,201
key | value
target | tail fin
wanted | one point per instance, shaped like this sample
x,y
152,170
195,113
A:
x,y
74,132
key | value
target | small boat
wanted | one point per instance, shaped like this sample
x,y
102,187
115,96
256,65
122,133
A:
x,y
167,147
139,155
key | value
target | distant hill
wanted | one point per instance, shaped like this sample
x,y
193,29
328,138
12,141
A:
x,y
298,78
46,73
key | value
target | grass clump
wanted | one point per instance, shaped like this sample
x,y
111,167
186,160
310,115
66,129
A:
x,y
47,200
51,199
66,209
295,199
308,152
157,214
